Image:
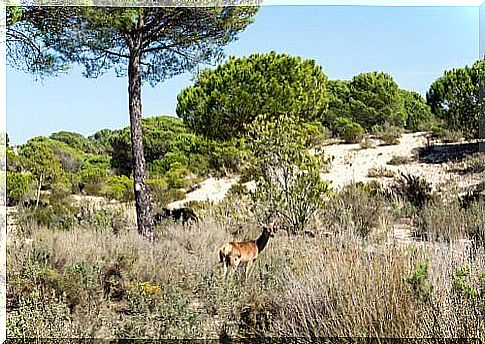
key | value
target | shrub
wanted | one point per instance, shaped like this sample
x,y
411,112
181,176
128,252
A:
x,y
119,188
348,130
355,209
399,160
381,171
414,189
289,181
388,134
20,186
366,143
447,221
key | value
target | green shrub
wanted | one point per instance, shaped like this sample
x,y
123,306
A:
x,y
20,186
278,148
388,134
399,160
349,131
119,188
418,282
176,176
75,140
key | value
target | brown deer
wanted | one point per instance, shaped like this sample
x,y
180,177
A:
x,y
231,254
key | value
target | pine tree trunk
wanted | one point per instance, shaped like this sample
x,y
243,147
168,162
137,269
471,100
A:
x,y
142,193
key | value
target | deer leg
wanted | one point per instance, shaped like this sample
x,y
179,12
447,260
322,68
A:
x,y
248,266
225,267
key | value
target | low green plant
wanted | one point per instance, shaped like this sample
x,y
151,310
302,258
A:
x,y
418,282
20,187
399,160
118,187
349,131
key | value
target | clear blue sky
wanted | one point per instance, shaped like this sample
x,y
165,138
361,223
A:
x,y
414,44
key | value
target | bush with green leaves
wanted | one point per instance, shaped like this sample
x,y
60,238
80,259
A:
x,y
455,98
75,141
348,130
37,157
92,174
13,160
222,101
288,175
370,99
20,187
118,187
167,141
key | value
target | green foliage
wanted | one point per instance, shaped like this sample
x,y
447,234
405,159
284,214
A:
x,y
369,99
375,99
13,160
288,176
118,187
348,130
159,137
224,100
339,95
454,97
167,142
418,282
75,140
102,141
95,37
57,213
460,284
20,186
37,157
417,111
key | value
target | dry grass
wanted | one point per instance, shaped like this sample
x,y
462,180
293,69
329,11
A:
x,y
93,283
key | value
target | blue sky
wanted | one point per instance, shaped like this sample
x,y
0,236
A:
x,y
413,44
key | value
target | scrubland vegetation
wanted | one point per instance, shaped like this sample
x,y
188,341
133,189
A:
x,y
79,268
347,279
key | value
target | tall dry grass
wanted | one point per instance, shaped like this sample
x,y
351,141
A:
x,y
89,282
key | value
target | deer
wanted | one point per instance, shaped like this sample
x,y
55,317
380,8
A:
x,y
231,254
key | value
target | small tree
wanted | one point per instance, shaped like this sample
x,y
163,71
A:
x,y
37,158
288,174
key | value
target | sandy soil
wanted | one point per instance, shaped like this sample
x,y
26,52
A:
x,y
352,163
211,189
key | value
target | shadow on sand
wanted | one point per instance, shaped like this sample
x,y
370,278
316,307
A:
x,y
440,153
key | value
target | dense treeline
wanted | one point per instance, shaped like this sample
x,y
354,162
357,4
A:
x,y
217,112
100,165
